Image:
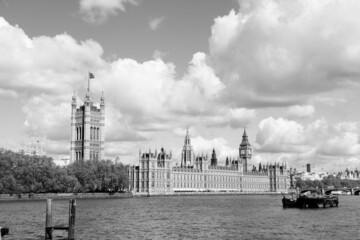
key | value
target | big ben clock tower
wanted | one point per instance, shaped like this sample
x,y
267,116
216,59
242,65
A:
x,y
245,151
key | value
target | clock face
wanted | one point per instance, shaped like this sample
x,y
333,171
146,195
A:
x,y
242,151
249,151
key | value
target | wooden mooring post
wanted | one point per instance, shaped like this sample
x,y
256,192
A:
x,y
48,220
3,231
72,212
49,228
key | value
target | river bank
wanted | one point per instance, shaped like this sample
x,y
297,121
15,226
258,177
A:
x,y
43,196
61,196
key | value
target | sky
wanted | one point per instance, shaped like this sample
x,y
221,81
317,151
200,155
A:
x,y
288,71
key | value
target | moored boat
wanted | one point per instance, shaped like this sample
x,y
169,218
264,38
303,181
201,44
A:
x,y
310,198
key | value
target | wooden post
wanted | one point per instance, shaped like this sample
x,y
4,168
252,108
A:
x,y
72,212
48,221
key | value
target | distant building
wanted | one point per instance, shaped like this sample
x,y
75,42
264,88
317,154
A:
x,y
308,168
351,175
156,174
87,129
33,150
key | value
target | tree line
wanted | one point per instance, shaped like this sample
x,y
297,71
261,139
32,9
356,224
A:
x,y
21,173
329,181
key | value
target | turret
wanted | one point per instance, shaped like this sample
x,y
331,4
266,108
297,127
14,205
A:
x,y
73,134
213,158
187,155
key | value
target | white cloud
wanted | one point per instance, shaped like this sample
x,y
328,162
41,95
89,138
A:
x,y
300,111
181,132
240,117
265,56
141,98
155,23
5,93
159,54
280,135
344,144
318,143
98,11
205,146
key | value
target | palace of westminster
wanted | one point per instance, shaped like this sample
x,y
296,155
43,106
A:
x,y
157,174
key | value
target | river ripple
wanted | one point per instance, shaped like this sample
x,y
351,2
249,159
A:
x,y
190,217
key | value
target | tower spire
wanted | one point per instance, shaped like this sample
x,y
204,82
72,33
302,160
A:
x,y
187,152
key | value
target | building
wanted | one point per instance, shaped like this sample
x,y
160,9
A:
x,y
157,175
87,129
33,150
351,175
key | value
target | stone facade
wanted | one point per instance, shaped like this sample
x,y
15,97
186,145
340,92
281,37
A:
x,y
156,175
87,130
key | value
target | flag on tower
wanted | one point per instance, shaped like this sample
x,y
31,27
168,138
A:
x,y
91,75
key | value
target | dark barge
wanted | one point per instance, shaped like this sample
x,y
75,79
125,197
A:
x,y
310,199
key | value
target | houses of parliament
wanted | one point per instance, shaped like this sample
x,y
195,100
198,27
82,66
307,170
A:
x,y
157,175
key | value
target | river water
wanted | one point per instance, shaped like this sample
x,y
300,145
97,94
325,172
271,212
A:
x,y
186,217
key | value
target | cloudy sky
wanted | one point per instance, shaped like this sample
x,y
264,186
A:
x,y
288,70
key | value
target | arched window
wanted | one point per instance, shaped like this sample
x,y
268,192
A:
x,y
76,156
97,133
77,133
80,133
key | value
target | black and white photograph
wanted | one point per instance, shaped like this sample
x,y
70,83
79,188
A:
x,y
179,119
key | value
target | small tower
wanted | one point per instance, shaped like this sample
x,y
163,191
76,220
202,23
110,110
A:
x,y
213,158
74,135
187,155
102,126
245,151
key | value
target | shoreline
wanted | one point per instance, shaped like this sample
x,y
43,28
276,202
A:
x,y
179,194
63,196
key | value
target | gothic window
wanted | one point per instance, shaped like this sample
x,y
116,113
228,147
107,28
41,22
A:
x,y
91,155
97,133
77,133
